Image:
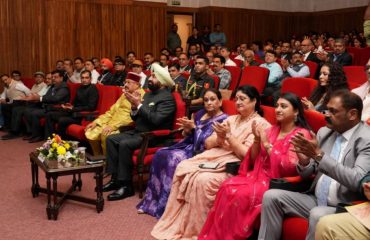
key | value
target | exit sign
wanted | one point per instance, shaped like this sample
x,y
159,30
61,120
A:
x,y
176,2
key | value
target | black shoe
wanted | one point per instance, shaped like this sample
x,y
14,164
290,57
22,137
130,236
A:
x,y
110,186
9,136
121,193
27,137
36,139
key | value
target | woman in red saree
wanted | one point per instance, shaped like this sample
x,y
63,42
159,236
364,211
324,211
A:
x,y
238,202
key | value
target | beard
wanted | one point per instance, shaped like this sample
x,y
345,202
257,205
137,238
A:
x,y
153,87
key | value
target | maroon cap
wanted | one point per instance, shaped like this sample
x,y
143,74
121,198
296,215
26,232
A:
x,y
133,76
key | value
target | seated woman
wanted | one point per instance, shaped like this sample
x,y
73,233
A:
x,y
196,181
238,202
331,78
165,160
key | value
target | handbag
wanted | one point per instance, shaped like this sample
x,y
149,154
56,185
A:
x,y
232,167
295,184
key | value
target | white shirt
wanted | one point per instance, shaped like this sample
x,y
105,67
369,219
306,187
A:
x,y
334,185
94,76
230,62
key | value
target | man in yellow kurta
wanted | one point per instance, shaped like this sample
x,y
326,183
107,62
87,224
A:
x,y
117,116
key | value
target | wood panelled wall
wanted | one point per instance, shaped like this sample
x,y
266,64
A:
x,y
36,33
243,25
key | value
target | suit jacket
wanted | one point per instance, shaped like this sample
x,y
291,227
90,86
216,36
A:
x,y
355,164
56,95
345,59
86,99
156,112
312,57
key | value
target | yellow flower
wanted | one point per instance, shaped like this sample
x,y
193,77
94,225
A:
x,y
61,150
54,145
67,146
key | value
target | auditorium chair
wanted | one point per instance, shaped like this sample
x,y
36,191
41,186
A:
x,y
186,75
216,80
28,81
108,95
235,76
296,227
356,76
302,87
313,68
143,156
255,76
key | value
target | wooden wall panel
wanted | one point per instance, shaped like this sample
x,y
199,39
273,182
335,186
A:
x,y
36,33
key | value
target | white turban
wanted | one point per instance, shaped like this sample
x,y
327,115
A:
x,y
162,75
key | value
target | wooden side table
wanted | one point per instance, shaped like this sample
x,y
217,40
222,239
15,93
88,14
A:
x,y
54,169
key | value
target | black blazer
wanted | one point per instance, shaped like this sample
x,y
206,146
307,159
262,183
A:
x,y
345,59
312,57
57,94
156,112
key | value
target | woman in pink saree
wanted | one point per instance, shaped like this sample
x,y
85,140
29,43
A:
x,y
238,202
194,188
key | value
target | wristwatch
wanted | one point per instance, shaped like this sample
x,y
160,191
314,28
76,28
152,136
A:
x,y
319,156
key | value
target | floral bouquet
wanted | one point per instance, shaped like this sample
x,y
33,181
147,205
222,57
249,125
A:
x,y
57,149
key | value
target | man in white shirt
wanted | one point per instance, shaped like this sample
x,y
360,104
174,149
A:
x,y
225,52
363,92
79,67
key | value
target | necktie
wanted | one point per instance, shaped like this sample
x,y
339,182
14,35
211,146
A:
x,y
323,188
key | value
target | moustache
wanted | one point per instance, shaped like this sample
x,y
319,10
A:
x,y
328,120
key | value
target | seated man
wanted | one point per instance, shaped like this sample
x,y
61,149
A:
x,y
86,99
178,79
339,159
106,76
344,225
148,60
225,52
296,68
198,82
17,113
78,64
137,67
184,63
274,80
117,116
222,73
14,90
339,55
58,93
249,59
119,76
363,92
155,112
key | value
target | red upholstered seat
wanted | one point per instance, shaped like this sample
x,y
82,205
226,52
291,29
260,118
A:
x,y
302,87
269,114
313,68
143,157
235,76
108,95
356,76
255,76
228,107
216,80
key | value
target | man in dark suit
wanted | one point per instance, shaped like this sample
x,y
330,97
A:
x,y
307,48
155,112
339,158
339,55
57,94
86,99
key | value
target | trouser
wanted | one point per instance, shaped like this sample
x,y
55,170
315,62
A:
x,y
119,154
51,119
277,204
32,120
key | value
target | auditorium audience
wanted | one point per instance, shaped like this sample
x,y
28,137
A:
x,y
184,63
119,76
195,39
274,79
331,78
86,99
130,58
148,60
154,112
57,94
41,86
249,59
197,180
339,55
173,38
178,79
164,162
68,70
78,64
238,203
225,52
106,66
117,116
296,67
217,37
338,158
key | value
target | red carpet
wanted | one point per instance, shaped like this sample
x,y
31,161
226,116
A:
x,y
24,217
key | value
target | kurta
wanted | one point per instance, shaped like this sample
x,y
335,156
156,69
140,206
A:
x,y
239,200
165,161
194,189
118,115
